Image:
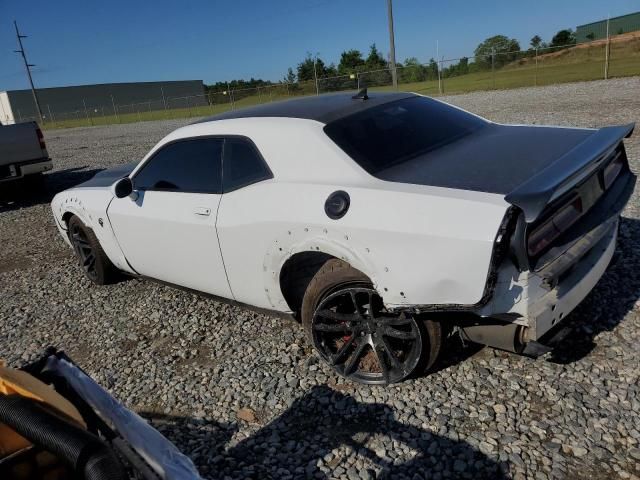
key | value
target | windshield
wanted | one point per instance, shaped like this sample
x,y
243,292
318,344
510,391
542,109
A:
x,y
395,132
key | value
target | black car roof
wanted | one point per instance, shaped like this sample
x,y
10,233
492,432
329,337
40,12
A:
x,y
322,108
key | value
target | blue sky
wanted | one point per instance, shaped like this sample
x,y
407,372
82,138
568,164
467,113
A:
x,y
81,42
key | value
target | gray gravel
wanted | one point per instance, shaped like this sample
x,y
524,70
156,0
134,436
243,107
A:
x,y
242,394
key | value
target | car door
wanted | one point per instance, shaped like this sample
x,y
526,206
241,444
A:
x,y
167,228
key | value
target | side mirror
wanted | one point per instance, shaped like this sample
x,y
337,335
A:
x,y
123,187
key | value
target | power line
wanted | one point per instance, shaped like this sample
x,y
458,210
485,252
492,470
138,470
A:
x,y
28,66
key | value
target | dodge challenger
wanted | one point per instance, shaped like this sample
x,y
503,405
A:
x,y
381,220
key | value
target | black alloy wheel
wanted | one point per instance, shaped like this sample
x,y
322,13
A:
x,y
84,251
362,340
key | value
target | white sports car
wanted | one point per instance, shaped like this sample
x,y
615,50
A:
x,y
379,220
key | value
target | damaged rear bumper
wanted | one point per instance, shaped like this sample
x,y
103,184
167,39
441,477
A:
x,y
546,307
540,299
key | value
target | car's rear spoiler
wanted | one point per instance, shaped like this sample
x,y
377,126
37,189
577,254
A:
x,y
533,195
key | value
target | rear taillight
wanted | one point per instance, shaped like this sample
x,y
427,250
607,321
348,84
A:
x,y
43,145
545,234
611,171
541,237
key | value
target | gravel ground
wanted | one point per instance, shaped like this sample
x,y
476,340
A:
x,y
242,394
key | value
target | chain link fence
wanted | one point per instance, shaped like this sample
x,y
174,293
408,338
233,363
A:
x,y
601,59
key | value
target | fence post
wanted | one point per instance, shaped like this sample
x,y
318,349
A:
x,y
230,96
493,66
50,114
86,113
535,80
606,52
115,109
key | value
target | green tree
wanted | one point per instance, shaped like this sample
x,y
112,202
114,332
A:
x,y
330,70
536,40
590,36
432,69
305,68
503,49
375,60
564,38
290,77
242,88
460,68
350,61
412,71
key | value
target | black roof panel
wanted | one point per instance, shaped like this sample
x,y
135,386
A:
x,y
322,108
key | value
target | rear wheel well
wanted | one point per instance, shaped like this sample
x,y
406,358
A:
x,y
296,274
66,217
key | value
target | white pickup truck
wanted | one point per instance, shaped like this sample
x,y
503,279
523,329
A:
x,y
23,152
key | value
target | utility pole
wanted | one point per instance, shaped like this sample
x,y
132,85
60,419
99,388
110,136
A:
x,y
28,66
392,45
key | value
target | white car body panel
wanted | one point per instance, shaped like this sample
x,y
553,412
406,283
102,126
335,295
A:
x,y
172,237
90,205
379,236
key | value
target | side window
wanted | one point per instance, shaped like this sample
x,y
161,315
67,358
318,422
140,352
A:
x,y
193,165
242,165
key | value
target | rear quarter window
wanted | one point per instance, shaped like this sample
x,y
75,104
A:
x,y
242,165
395,132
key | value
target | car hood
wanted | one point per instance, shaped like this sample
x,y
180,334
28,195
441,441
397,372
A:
x,y
106,178
494,159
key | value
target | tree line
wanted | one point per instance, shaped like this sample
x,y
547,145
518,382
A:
x,y
373,69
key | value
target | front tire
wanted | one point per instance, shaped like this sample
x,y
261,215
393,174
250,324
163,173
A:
x,y
346,321
94,262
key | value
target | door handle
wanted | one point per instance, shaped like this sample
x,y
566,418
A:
x,y
203,211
